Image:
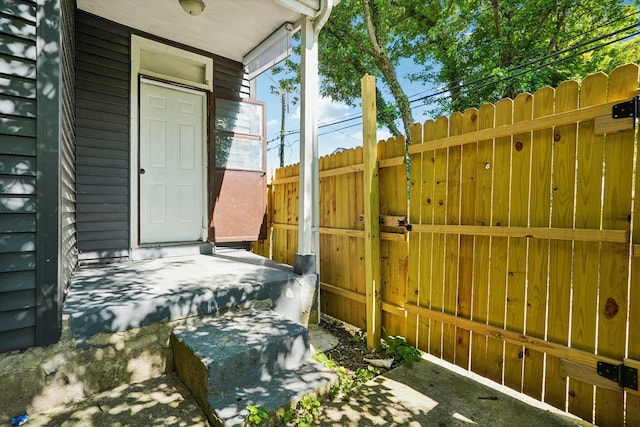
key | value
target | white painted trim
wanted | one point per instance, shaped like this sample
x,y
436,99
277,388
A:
x,y
304,7
137,44
308,223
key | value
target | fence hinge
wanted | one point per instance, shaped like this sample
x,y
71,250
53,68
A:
x,y
630,108
625,376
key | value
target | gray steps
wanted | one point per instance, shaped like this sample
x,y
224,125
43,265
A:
x,y
255,358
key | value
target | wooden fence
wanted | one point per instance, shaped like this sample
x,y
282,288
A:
x,y
342,232
523,259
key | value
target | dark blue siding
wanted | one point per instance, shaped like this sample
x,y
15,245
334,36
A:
x,y
37,200
18,170
102,148
68,249
103,138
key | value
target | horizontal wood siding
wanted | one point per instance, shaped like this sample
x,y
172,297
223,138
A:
x,y
102,146
17,174
68,250
102,164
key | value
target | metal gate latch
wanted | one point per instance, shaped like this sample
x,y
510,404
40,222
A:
x,y
625,376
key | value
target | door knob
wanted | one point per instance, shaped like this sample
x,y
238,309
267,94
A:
x,y
142,171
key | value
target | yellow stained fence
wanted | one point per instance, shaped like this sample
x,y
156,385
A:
x,y
522,262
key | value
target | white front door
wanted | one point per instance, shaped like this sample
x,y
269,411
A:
x,y
171,172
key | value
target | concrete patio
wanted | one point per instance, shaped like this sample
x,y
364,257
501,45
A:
x,y
118,318
117,297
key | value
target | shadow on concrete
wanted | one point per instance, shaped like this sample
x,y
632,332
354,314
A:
x,y
123,296
427,394
161,401
118,318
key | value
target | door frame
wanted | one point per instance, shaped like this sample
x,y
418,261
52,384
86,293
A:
x,y
143,68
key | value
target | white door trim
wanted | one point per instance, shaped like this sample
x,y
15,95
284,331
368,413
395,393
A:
x,y
138,45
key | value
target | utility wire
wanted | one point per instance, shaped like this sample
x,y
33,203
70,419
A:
x,y
469,86
557,53
534,61
340,129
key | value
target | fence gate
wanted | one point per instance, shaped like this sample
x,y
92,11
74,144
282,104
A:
x,y
524,254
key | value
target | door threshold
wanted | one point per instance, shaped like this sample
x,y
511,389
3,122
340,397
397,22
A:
x,y
167,250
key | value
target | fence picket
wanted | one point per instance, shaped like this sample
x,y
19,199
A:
x,y
467,213
633,326
339,208
564,177
388,287
481,253
279,216
398,249
517,253
332,304
293,214
586,254
360,284
452,241
560,258
439,217
538,256
498,260
614,270
415,239
428,201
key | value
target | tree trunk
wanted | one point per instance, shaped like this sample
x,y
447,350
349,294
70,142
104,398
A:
x,y
386,67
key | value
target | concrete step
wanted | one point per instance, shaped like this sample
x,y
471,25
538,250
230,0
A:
x,y
255,358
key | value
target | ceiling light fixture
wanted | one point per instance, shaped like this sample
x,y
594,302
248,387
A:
x,y
192,7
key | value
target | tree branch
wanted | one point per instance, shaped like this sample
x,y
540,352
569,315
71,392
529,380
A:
x,y
385,65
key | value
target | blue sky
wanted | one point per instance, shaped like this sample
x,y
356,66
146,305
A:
x,y
331,138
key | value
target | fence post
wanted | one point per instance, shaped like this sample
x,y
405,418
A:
x,y
371,212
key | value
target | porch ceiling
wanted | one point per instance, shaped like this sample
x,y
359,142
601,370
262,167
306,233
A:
x,y
229,28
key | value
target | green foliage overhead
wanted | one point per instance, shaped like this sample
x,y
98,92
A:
x,y
477,51
490,49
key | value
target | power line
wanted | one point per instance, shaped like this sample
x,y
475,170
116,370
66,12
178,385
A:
x,y
342,128
320,126
534,61
503,79
469,86
557,53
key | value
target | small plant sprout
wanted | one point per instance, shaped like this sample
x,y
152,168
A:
x,y
304,413
398,348
257,414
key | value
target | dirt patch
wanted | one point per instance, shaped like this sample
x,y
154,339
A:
x,y
352,346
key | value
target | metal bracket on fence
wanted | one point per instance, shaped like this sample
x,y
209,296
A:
x,y
404,223
625,376
630,108
391,221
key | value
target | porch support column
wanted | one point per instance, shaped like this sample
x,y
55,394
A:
x,y
306,260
